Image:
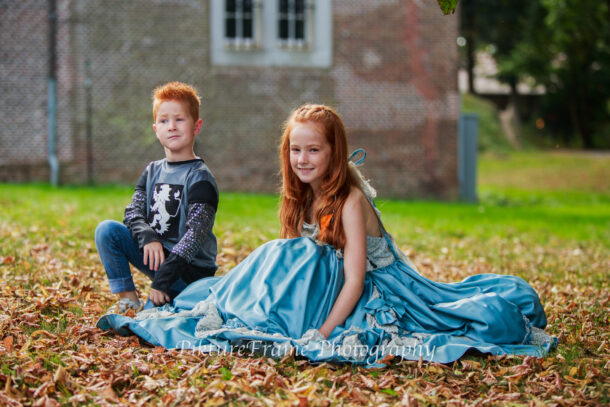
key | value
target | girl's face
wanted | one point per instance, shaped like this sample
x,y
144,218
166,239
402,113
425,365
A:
x,y
310,153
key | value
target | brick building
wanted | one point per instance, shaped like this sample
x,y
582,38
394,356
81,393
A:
x,y
388,66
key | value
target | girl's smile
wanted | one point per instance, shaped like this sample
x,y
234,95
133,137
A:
x,y
309,153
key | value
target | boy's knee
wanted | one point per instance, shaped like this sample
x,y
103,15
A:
x,y
104,230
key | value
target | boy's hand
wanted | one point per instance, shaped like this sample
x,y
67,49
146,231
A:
x,y
153,255
158,297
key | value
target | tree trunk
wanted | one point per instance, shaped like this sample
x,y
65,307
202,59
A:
x,y
575,119
510,117
514,101
470,62
579,106
586,134
585,115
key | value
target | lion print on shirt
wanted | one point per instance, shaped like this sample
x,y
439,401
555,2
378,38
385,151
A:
x,y
164,216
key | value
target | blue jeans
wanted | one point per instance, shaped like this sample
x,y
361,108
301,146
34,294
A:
x,y
117,249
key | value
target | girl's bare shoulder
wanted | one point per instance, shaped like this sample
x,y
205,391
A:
x,y
358,203
356,199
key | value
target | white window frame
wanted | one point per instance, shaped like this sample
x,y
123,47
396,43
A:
x,y
268,49
240,42
292,42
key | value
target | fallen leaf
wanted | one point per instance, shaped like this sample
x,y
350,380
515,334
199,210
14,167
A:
x,y
489,378
108,393
470,365
60,375
8,343
409,401
358,396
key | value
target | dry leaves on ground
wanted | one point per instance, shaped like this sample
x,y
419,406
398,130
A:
x,y
51,353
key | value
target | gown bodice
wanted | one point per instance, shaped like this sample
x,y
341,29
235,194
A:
x,y
378,252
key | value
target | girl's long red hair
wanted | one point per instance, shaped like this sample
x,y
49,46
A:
x,y
297,197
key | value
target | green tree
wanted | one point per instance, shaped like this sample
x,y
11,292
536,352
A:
x,y
562,44
472,25
447,6
578,65
501,23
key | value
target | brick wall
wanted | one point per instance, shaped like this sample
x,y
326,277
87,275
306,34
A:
x,y
395,74
24,71
393,79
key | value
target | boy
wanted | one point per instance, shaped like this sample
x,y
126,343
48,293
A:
x,y
167,230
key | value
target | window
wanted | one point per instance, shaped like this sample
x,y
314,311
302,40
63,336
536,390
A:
x,y
293,19
241,23
271,33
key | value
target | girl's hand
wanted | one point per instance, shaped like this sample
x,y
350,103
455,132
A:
x,y
153,255
158,297
323,330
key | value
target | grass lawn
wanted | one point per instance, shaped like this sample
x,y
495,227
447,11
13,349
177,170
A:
x,y
542,216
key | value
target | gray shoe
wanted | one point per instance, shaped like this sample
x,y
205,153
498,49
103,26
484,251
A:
x,y
123,305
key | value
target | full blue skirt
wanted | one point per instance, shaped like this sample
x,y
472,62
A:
x,y
275,299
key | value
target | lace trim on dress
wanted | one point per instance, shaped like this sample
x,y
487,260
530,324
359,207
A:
x,y
372,320
210,318
540,337
528,330
164,311
378,253
537,336
309,230
206,310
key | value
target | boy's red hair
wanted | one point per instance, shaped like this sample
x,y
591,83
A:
x,y
177,91
297,197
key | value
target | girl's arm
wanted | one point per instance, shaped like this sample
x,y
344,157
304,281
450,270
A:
x,y
354,261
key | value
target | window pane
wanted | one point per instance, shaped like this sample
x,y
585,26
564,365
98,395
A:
x,y
230,6
299,6
283,29
247,28
230,28
299,33
283,6
247,8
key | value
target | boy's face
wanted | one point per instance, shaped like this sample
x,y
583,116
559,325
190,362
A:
x,y
176,130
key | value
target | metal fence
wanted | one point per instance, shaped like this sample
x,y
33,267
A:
x,y
107,53
24,76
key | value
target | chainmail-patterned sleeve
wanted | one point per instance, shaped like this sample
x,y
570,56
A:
x,y
199,223
135,219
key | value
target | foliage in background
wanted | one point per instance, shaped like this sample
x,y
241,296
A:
x,y
502,23
577,40
563,45
447,6
490,134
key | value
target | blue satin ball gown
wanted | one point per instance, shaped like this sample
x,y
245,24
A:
x,y
274,301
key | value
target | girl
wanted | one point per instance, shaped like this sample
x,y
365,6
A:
x,y
337,287
320,189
